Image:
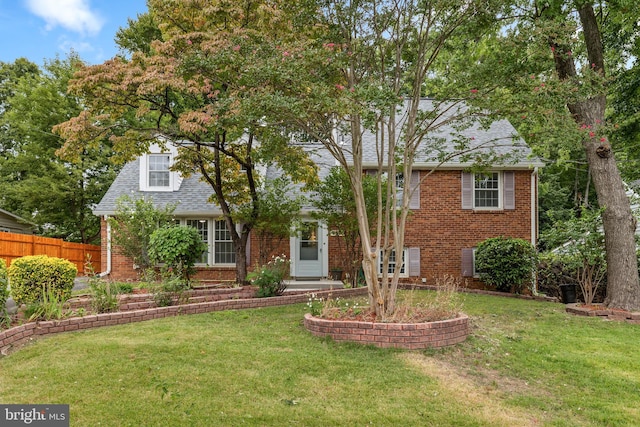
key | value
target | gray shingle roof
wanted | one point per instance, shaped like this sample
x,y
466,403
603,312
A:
x,y
500,139
498,142
190,200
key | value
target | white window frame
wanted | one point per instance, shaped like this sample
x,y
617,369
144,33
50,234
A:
x,y
205,257
145,181
405,266
211,240
214,241
500,191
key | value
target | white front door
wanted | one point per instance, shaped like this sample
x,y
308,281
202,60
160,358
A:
x,y
308,246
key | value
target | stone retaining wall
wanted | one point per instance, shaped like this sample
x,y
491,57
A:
x,y
412,336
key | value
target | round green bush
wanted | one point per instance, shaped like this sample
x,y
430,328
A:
x,y
506,263
30,275
177,247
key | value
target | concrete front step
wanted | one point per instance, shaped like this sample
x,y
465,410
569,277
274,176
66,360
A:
x,y
313,285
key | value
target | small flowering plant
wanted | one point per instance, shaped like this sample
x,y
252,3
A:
x,y
270,277
330,308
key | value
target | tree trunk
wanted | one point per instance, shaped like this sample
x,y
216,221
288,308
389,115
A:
x,y
623,287
241,262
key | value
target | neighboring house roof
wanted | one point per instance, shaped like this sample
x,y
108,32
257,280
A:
x,y
500,138
14,223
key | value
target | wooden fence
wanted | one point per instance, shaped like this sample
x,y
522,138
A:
x,y
14,246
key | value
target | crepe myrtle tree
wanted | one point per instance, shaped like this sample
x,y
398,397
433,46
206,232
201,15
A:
x,y
367,74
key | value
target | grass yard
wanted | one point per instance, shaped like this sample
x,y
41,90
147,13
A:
x,y
526,363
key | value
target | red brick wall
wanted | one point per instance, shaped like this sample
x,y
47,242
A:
x,y
441,228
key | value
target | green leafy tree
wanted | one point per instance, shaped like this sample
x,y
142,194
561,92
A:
x,y
279,212
552,65
54,194
132,226
578,243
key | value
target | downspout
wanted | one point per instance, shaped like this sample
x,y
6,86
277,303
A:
x,y
108,270
534,206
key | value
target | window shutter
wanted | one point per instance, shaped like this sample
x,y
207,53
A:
x,y
414,203
467,190
467,262
414,262
509,190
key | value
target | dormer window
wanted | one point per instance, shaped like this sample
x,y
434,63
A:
x,y
155,172
159,173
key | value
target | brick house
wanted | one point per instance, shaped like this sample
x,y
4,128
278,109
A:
x,y
453,209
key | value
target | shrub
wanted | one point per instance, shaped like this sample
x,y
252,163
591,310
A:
x,y
104,296
31,276
506,263
552,272
49,307
177,248
171,289
4,294
555,269
270,277
579,243
133,224
125,288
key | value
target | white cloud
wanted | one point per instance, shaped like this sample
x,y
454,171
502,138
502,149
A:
x,y
74,15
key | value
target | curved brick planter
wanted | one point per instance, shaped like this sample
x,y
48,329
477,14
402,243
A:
x,y
411,336
16,336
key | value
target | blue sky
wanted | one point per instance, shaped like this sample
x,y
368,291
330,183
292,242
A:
x,y
40,29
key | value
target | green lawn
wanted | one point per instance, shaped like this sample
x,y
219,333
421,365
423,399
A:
x,y
526,363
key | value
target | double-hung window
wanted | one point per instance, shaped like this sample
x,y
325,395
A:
x,y
393,263
202,226
224,251
158,169
486,190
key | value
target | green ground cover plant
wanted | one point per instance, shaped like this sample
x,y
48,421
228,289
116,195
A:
x,y
525,363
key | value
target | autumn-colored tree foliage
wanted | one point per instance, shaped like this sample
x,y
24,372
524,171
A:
x,y
193,87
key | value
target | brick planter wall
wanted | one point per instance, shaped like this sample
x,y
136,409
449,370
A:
x,y
603,313
18,335
411,336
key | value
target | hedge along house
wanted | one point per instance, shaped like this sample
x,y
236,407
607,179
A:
x,y
453,208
